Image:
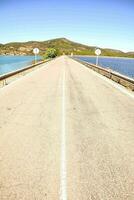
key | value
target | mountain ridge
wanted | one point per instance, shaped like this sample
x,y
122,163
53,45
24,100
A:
x,y
63,45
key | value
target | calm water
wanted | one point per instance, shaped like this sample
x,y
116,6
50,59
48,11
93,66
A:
x,y
12,63
124,66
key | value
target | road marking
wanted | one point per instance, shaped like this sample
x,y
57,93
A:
x,y
63,173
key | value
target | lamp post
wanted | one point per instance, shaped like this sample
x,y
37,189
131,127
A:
x,y
97,52
72,54
36,52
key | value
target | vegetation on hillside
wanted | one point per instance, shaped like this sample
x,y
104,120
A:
x,y
62,45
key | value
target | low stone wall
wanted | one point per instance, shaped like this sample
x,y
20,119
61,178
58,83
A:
x,y
119,78
12,76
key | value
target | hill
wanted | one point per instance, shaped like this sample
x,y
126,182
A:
x,y
63,45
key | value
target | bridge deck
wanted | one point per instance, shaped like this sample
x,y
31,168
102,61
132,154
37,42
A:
x,y
65,131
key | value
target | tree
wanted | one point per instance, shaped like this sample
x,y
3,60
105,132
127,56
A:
x,y
50,53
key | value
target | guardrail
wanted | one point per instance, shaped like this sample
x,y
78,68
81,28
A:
x,y
115,76
5,79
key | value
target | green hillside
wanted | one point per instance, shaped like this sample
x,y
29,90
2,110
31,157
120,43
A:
x,y
63,45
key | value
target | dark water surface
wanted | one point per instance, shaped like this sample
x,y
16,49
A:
x,y
124,66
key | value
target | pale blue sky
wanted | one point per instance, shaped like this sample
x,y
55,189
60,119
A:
x,y
102,23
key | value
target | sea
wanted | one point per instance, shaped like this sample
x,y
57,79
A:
x,y
124,66
13,63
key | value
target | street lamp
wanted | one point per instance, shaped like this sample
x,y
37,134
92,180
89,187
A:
x,y
36,52
97,52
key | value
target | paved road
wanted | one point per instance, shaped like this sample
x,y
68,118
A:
x,y
65,133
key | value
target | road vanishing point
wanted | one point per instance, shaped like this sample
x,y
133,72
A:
x,y
66,133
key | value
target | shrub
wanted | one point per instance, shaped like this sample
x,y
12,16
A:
x,y
50,53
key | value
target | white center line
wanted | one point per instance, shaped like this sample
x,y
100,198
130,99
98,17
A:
x,y
63,174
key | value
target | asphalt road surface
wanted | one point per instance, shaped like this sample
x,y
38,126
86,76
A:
x,y
66,133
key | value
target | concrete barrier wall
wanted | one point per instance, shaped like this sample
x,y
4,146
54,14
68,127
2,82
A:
x,y
8,78
119,78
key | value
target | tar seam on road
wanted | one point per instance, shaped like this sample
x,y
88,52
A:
x,y
63,172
